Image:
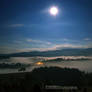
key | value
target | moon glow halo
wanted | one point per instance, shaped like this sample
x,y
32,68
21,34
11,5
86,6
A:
x,y
53,11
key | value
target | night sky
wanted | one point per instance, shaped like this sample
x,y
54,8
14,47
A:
x,y
26,25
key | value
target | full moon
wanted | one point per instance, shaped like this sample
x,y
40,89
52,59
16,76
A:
x,y
53,11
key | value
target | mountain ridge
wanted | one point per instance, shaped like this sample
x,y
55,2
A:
x,y
62,52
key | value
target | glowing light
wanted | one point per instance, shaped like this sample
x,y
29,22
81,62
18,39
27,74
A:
x,y
54,10
39,63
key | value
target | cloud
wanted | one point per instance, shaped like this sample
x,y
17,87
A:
x,y
16,25
38,41
55,47
42,25
87,39
62,46
65,39
35,41
51,47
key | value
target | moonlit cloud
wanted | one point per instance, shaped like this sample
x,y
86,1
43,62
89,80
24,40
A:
x,y
35,41
67,40
6,50
87,39
30,44
38,41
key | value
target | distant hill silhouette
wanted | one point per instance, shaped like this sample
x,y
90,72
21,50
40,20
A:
x,y
63,52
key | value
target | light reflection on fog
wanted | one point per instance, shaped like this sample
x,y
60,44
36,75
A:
x,y
84,65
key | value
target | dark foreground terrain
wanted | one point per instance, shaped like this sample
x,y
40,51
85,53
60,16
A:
x,y
47,79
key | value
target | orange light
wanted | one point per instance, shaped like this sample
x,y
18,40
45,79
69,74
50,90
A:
x,y
39,63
